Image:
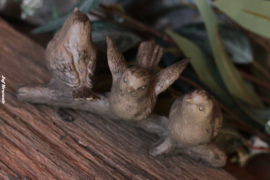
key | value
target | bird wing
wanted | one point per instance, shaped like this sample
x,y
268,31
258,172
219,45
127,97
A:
x,y
116,60
91,66
167,76
62,67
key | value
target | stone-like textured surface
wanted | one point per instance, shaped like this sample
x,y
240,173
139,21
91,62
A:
x,y
134,91
71,57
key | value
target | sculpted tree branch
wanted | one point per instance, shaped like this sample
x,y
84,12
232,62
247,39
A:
x,y
195,119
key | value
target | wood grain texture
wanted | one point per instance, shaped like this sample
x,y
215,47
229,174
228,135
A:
x,y
36,144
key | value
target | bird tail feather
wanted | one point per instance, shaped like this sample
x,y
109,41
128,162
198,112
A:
x,y
149,55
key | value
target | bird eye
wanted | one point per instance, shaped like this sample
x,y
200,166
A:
x,y
125,79
201,108
143,87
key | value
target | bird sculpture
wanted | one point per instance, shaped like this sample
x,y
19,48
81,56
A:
x,y
71,57
134,90
194,120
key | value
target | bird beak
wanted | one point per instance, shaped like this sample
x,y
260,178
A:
x,y
189,100
130,89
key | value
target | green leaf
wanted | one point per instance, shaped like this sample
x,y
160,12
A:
x,y
87,5
251,112
267,126
50,26
231,77
253,15
203,66
124,38
84,6
236,44
234,41
55,13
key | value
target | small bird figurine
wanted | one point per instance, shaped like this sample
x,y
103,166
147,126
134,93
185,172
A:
x,y
194,120
71,56
134,91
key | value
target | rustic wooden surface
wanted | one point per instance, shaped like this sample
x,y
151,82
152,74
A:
x,y
36,144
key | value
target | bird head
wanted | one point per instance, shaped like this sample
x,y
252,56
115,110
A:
x,y
135,81
77,28
195,118
199,103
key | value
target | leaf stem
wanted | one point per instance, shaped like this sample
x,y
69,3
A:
x,y
254,79
261,69
135,24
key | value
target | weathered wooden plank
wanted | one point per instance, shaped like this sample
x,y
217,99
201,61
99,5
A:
x,y
37,144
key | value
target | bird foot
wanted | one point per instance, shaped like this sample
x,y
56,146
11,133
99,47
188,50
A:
x,y
84,94
162,147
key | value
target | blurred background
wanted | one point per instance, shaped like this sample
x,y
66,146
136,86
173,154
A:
x,y
227,41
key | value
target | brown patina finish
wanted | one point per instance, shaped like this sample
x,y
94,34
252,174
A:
x,y
71,57
194,120
134,91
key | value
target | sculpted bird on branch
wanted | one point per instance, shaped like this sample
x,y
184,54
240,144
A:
x,y
134,91
71,57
